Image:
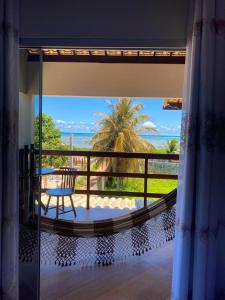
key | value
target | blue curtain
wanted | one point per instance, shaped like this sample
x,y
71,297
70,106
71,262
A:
x,y
9,93
199,256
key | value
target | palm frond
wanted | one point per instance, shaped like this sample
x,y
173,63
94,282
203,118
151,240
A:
x,y
119,131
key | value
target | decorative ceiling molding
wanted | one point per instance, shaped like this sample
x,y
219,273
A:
x,y
110,55
173,103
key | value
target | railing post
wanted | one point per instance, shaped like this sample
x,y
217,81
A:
x,y
88,180
146,182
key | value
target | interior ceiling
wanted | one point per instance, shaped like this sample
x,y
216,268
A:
x,y
88,24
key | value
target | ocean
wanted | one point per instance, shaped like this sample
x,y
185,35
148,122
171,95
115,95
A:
x,y
82,140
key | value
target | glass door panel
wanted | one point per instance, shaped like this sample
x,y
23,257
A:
x,y
30,107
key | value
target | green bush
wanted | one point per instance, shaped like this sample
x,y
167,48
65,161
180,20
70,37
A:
x,y
51,140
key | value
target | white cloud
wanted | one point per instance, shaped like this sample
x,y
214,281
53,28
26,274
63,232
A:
x,y
74,126
108,101
171,129
166,127
60,122
149,124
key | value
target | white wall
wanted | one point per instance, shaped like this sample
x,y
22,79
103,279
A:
x,y
113,80
26,103
23,71
26,118
114,23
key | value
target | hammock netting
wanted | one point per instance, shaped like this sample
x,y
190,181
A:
x,y
105,249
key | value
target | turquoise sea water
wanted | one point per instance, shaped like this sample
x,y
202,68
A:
x,y
82,140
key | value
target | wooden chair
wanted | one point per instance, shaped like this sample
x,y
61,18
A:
x,y
67,189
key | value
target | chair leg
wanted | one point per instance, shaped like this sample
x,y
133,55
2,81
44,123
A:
x,y
63,203
57,208
47,206
74,210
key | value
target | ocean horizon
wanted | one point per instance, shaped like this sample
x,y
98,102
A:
x,y
82,139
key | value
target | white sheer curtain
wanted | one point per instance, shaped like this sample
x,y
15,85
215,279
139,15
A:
x,y
9,93
199,257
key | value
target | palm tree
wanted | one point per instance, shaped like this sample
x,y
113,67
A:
x,y
172,147
119,132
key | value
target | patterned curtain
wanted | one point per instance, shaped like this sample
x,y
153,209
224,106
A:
x,y
199,258
9,93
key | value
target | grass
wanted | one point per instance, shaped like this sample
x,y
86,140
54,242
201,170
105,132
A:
x,y
81,183
160,150
161,186
81,149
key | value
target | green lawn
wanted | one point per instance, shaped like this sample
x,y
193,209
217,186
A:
x,y
154,185
162,186
81,149
81,183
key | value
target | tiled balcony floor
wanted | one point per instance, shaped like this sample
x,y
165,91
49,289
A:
x,y
100,207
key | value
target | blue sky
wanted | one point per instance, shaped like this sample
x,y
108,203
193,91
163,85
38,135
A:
x,y
78,114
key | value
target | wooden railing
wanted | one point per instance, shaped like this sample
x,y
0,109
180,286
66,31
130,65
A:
x,y
96,154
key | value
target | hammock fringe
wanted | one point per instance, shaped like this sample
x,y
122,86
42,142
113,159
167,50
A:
x,y
103,250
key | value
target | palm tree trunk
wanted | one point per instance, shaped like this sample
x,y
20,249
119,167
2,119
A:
x,y
118,179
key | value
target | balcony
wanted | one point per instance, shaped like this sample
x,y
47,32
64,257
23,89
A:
x,y
92,199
